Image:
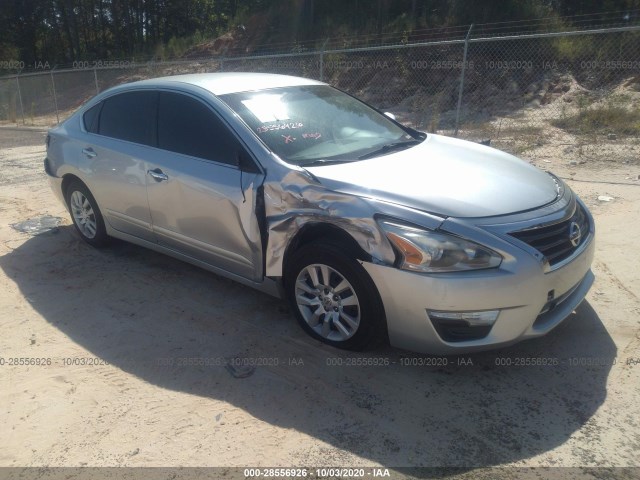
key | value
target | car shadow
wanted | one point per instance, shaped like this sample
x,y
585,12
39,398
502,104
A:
x,y
146,313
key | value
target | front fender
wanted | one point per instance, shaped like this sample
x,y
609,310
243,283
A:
x,y
297,200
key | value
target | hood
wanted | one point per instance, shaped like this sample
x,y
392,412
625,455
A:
x,y
445,176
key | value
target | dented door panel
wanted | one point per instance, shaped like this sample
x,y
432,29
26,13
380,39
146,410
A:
x,y
206,210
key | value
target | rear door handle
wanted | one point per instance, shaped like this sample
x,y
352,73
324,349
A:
x,y
89,152
158,175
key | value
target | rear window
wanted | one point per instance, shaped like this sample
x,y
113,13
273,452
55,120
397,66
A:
x,y
130,116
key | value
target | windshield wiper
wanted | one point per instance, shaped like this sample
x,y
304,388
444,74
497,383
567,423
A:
x,y
389,147
324,161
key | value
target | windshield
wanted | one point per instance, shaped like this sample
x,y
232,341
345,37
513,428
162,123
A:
x,y
314,125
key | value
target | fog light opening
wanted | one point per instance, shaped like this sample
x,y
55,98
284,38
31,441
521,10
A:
x,y
463,326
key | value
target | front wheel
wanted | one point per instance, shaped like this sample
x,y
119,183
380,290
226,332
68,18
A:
x,y
334,299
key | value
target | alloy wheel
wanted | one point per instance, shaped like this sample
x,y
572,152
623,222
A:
x,y
328,302
83,214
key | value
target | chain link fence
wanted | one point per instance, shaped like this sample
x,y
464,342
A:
x,y
571,95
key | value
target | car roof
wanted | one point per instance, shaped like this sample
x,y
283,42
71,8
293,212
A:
x,y
229,82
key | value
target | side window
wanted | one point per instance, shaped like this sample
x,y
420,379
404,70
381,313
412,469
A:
x,y
130,116
90,118
187,126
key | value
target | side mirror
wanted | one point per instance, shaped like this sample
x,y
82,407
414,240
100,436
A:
x,y
390,115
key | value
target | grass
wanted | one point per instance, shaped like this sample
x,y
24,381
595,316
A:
x,y
605,119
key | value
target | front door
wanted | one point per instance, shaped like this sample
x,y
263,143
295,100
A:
x,y
201,204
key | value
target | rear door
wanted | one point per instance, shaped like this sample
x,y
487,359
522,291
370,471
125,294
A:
x,y
201,203
123,128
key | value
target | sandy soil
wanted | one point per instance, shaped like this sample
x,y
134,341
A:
x,y
133,347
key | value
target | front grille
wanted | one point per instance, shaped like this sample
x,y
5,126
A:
x,y
554,241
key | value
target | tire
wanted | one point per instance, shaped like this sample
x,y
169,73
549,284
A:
x,y
344,311
86,215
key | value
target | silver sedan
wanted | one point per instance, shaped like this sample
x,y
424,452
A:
x,y
373,231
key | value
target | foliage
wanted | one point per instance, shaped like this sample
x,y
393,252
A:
x,y
177,46
614,116
65,31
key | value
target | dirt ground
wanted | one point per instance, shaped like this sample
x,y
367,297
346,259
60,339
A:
x,y
141,361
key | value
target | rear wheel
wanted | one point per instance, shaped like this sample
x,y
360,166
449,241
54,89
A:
x,y
86,215
334,299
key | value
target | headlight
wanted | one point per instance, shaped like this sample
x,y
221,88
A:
x,y
432,252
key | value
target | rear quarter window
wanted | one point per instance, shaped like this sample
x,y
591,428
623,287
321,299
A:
x,y
90,118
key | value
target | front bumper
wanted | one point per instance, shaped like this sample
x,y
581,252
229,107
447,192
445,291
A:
x,y
522,295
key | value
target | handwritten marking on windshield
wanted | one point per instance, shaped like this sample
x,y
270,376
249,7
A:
x,y
315,135
279,126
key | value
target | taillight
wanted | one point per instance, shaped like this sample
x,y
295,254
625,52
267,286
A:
x,y
47,141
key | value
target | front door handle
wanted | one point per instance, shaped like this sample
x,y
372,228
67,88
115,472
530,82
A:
x,y
158,175
89,152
